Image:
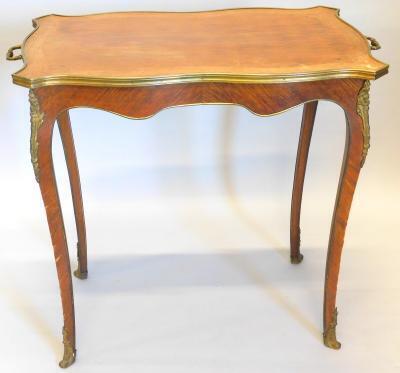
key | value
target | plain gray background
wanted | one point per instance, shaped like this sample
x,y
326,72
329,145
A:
x,y
188,228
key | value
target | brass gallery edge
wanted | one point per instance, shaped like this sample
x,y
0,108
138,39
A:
x,y
194,78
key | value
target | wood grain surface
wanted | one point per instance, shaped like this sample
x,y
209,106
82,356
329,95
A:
x,y
132,48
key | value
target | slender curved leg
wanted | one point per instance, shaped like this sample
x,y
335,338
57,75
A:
x,y
41,138
357,144
307,125
64,125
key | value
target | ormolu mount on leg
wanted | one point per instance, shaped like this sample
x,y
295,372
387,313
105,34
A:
x,y
363,112
37,118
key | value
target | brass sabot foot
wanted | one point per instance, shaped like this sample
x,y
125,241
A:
x,y
81,275
67,360
331,342
296,259
69,351
330,333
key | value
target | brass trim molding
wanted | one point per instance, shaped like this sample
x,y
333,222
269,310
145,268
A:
x,y
363,112
197,77
330,333
69,350
37,118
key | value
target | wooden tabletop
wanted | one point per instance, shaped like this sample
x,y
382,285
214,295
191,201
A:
x,y
259,45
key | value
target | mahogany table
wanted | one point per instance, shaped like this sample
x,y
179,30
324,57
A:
x,y
137,63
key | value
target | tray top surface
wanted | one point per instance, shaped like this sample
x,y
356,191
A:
x,y
254,45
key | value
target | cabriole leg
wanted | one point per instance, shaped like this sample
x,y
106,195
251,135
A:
x,y
357,144
64,125
41,138
307,125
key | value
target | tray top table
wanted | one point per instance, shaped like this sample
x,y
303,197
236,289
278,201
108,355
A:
x,y
138,63
233,46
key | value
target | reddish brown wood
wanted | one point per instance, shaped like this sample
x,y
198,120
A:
x,y
351,167
64,125
48,187
141,102
307,125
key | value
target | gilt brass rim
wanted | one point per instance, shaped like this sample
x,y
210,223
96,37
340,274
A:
x,y
196,77
192,78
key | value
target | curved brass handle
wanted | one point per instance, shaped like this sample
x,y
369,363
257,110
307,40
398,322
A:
x,y
10,54
374,43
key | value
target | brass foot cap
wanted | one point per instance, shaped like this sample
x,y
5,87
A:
x,y
81,275
296,259
332,343
67,360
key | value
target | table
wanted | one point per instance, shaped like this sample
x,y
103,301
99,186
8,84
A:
x,y
137,63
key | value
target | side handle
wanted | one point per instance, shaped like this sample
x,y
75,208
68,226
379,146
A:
x,y
374,43
10,54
